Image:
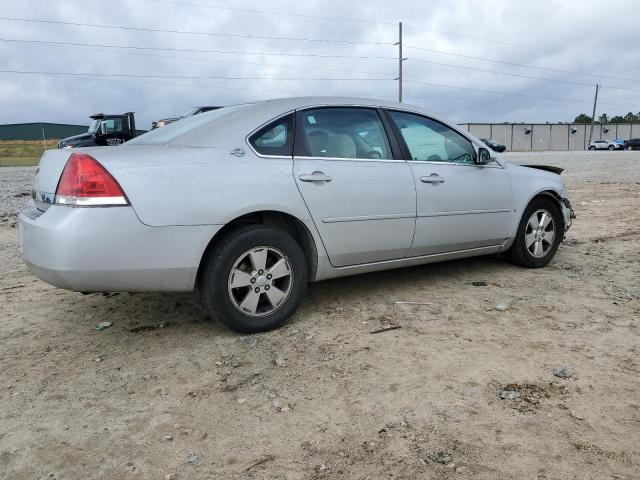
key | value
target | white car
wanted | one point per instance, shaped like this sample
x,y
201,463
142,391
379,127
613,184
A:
x,y
247,204
606,145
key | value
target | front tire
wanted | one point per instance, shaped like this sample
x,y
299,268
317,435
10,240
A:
x,y
611,147
540,232
254,279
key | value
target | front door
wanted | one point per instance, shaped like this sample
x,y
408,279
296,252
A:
x,y
460,204
362,199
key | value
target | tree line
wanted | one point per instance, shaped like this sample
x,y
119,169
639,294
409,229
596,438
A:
x,y
604,118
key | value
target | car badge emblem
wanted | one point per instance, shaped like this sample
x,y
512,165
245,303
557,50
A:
x,y
238,152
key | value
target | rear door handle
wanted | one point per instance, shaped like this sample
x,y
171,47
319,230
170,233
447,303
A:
x,y
433,178
314,177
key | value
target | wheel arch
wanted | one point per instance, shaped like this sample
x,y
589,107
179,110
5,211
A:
x,y
548,193
285,221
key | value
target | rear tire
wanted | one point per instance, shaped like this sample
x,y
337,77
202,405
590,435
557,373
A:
x,y
535,247
254,279
592,148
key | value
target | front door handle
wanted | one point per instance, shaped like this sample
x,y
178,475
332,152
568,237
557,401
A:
x,y
314,177
433,178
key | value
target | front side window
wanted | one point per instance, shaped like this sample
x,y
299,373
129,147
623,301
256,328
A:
x,y
113,125
432,141
342,132
275,139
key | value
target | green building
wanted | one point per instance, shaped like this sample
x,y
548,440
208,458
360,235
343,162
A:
x,y
40,130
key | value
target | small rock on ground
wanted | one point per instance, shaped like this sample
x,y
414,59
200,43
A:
x,y
509,394
562,372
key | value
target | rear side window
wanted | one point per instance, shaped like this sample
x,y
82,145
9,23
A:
x,y
342,132
275,139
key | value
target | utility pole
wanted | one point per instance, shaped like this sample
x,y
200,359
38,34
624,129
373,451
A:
x,y
593,116
400,60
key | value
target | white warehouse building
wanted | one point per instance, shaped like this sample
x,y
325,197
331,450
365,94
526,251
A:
x,y
551,136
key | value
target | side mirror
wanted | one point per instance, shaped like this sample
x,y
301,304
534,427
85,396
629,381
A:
x,y
485,156
103,128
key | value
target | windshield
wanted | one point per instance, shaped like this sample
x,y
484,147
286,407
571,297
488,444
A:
x,y
183,126
93,128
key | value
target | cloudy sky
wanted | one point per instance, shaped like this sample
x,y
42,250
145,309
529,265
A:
x,y
574,44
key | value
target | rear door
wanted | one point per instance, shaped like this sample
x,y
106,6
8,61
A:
x,y
360,194
460,204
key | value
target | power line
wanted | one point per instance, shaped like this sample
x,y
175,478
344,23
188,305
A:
x,y
69,44
220,77
188,77
187,32
267,12
190,85
514,94
465,67
145,54
471,37
74,45
192,50
335,19
215,60
511,63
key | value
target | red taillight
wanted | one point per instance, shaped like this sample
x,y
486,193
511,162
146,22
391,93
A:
x,y
84,182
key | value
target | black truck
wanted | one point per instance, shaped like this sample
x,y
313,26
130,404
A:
x,y
633,144
106,129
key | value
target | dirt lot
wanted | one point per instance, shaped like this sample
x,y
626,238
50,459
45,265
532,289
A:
x,y
167,391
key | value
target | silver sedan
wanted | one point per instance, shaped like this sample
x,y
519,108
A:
x,y
249,203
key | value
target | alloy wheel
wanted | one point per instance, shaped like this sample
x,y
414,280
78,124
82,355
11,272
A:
x,y
260,281
540,233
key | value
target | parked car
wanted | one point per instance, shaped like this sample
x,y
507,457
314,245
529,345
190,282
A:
x,y
493,145
606,145
246,209
633,144
105,129
194,111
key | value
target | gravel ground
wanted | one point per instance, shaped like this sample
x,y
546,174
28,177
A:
x,y
167,393
15,186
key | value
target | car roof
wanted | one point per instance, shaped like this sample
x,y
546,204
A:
x,y
230,121
294,103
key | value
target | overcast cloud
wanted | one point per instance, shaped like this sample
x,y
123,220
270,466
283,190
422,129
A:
x,y
584,36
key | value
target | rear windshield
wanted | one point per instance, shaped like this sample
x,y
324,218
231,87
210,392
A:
x,y
180,127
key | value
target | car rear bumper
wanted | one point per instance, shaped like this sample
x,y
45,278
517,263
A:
x,y
109,249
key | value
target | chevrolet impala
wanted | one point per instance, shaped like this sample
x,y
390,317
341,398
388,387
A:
x,y
247,204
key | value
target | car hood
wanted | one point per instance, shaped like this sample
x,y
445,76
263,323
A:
x,y
77,138
546,168
532,179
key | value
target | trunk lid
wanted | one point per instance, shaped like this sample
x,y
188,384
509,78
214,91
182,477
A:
x,y
47,177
